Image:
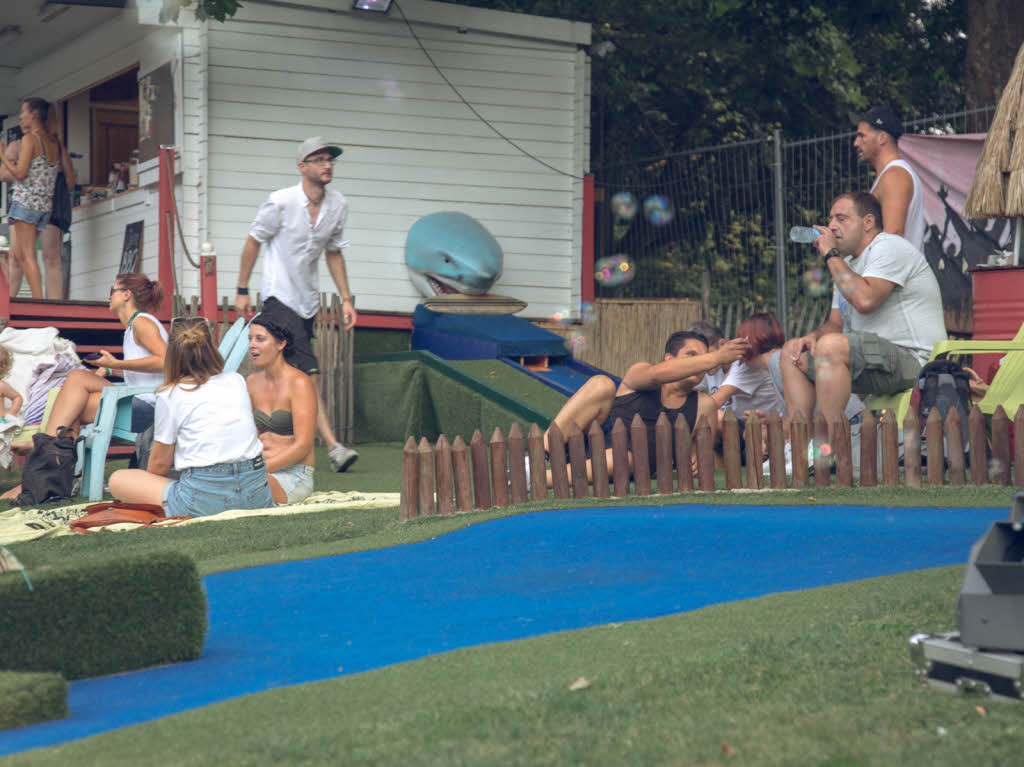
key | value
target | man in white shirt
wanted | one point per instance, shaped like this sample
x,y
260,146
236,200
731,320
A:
x,y
297,224
886,315
896,186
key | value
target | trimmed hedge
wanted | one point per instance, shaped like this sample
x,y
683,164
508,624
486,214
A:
x,y
27,697
102,616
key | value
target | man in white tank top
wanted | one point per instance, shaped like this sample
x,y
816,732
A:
x,y
896,185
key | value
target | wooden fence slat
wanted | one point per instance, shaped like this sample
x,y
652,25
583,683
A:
x,y
443,475
890,449
463,481
578,462
955,447
731,450
409,503
911,450
499,468
868,450
620,459
977,452
1000,447
753,449
933,442
641,461
663,454
426,493
598,461
1018,446
538,466
556,454
705,454
842,452
776,452
684,452
481,476
822,451
799,438
516,464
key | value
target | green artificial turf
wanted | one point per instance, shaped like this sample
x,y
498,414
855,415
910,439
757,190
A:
x,y
819,677
514,383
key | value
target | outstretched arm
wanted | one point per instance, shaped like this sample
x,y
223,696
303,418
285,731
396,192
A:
x,y
644,376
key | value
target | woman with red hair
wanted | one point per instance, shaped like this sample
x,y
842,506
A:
x,y
748,385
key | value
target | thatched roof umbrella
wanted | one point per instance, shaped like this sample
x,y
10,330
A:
x,y
998,187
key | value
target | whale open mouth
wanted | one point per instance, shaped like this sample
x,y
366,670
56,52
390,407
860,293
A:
x,y
439,287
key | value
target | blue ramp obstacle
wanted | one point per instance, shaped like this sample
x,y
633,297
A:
x,y
539,353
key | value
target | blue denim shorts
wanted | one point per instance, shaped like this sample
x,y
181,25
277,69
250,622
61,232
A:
x,y
296,481
206,490
28,215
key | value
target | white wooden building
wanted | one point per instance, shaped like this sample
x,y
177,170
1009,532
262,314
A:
x,y
246,91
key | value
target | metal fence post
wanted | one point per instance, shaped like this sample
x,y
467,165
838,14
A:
x,y
780,233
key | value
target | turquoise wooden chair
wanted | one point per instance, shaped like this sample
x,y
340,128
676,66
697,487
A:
x,y
114,415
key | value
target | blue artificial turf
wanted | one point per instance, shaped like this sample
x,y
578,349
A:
x,y
507,579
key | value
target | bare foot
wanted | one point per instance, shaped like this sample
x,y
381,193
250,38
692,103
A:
x,y
22,447
11,494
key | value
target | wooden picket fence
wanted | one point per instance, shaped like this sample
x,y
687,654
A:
x,y
437,478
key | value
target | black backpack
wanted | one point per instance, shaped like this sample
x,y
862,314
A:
x,y
944,385
49,469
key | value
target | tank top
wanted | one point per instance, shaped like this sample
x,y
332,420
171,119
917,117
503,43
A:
x,y
35,191
133,350
648,405
913,229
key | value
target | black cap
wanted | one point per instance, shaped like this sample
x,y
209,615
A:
x,y
880,118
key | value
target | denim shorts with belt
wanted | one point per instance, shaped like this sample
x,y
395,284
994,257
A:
x,y
204,490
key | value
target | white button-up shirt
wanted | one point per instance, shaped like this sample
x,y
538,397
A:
x,y
294,244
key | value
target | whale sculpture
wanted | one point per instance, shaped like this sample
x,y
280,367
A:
x,y
453,261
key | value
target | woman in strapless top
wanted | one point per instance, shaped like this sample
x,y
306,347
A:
x,y
284,408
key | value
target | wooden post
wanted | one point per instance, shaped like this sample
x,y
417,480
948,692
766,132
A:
x,y
409,503
731,450
842,452
933,441
868,450
1000,447
620,459
799,438
578,462
911,450
481,477
776,452
705,454
538,466
822,451
556,454
754,450
426,494
598,461
463,482
499,468
165,229
684,451
663,453
976,436
443,472
517,464
208,282
890,449
955,447
1018,446
641,461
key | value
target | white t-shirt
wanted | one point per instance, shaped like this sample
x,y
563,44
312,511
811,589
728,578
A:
x,y
294,245
711,381
911,316
133,350
208,425
913,228
754,389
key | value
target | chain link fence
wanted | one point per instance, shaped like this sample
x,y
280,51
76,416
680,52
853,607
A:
x,y
710,223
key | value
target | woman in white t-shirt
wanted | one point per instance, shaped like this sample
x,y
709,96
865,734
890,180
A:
x,y
204,430
748,386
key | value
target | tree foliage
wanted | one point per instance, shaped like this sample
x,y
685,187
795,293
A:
x,y
219,10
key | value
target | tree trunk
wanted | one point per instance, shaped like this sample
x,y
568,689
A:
x,y
995,31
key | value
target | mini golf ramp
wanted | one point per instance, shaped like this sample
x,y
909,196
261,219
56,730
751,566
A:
x,y
534,351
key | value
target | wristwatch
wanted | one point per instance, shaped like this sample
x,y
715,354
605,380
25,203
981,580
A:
x,y
834,253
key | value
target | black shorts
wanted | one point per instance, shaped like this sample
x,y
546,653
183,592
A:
x,y
299,353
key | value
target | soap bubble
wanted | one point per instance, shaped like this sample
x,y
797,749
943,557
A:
x,y
576,340
562,318
659,210
391,88
624,205
816,282
614,270
826,450
588,313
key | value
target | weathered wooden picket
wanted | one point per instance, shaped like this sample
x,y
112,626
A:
x,y
437,478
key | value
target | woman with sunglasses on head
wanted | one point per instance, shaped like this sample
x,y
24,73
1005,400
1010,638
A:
x,y
204,430
284,408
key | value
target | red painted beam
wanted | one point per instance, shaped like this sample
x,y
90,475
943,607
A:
x,y
208,287
166,245
384,321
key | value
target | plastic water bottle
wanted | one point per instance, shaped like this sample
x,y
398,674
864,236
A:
x,y
803,233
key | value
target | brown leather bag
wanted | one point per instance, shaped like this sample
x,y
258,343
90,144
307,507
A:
x,y
116,512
